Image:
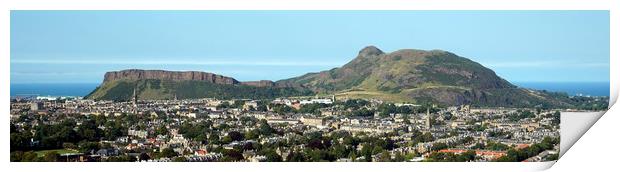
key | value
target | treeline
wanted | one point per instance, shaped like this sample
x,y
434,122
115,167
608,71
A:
x,y
318,146
68,134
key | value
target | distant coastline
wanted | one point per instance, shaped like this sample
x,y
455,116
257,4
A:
x,y
82,89
572,88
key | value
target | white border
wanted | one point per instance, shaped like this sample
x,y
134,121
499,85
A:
x,y
574,159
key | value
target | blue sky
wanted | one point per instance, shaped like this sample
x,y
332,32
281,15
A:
x,y
521,46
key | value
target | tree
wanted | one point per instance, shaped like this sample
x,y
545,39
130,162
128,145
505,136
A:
x,y
384,157
232,155
69,145
88,130
250,146
367,152
235,136
16,156
282,109
406,119
20,141
252,134
162,130
167,152
265,129
51,156
123,158
226,140
439,146
214,138
272,156
179,159
86,147
398,157
19,156
261,107
144,156
470,155
339,151
295,157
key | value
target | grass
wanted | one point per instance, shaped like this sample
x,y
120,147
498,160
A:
x,y
390,97
42,153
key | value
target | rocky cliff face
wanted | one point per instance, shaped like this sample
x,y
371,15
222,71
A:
x,y
136,74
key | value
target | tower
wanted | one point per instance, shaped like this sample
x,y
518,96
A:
x,y
135,100
428,119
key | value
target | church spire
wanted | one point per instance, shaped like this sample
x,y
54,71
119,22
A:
x,y
135,99
428,118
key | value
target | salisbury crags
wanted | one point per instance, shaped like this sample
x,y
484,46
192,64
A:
x,y
136,74
160,84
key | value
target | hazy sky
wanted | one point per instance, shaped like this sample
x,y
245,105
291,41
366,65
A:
x,y
80,46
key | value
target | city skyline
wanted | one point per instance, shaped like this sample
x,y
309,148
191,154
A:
x,y
567,46
302,86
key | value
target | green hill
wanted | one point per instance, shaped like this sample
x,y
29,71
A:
x,y
420,76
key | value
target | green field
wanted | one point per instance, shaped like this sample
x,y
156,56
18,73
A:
x,y
41,153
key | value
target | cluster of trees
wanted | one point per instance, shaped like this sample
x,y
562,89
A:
x,y
500,134
518,155
356,107
352,107
236,104
319,147
477,127
80,133
386,109
591,103
451,157
521,114
53,136
31,156
313,108
205,133
419,137
52,156
196,131
555,116
282,109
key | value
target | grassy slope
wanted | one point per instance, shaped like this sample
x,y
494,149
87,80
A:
x,y
42,153
122,90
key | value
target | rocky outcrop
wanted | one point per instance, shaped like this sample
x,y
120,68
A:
x,y
411,75
136,74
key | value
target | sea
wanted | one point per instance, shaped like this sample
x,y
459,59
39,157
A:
x,y
83,89
572,88
52,89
